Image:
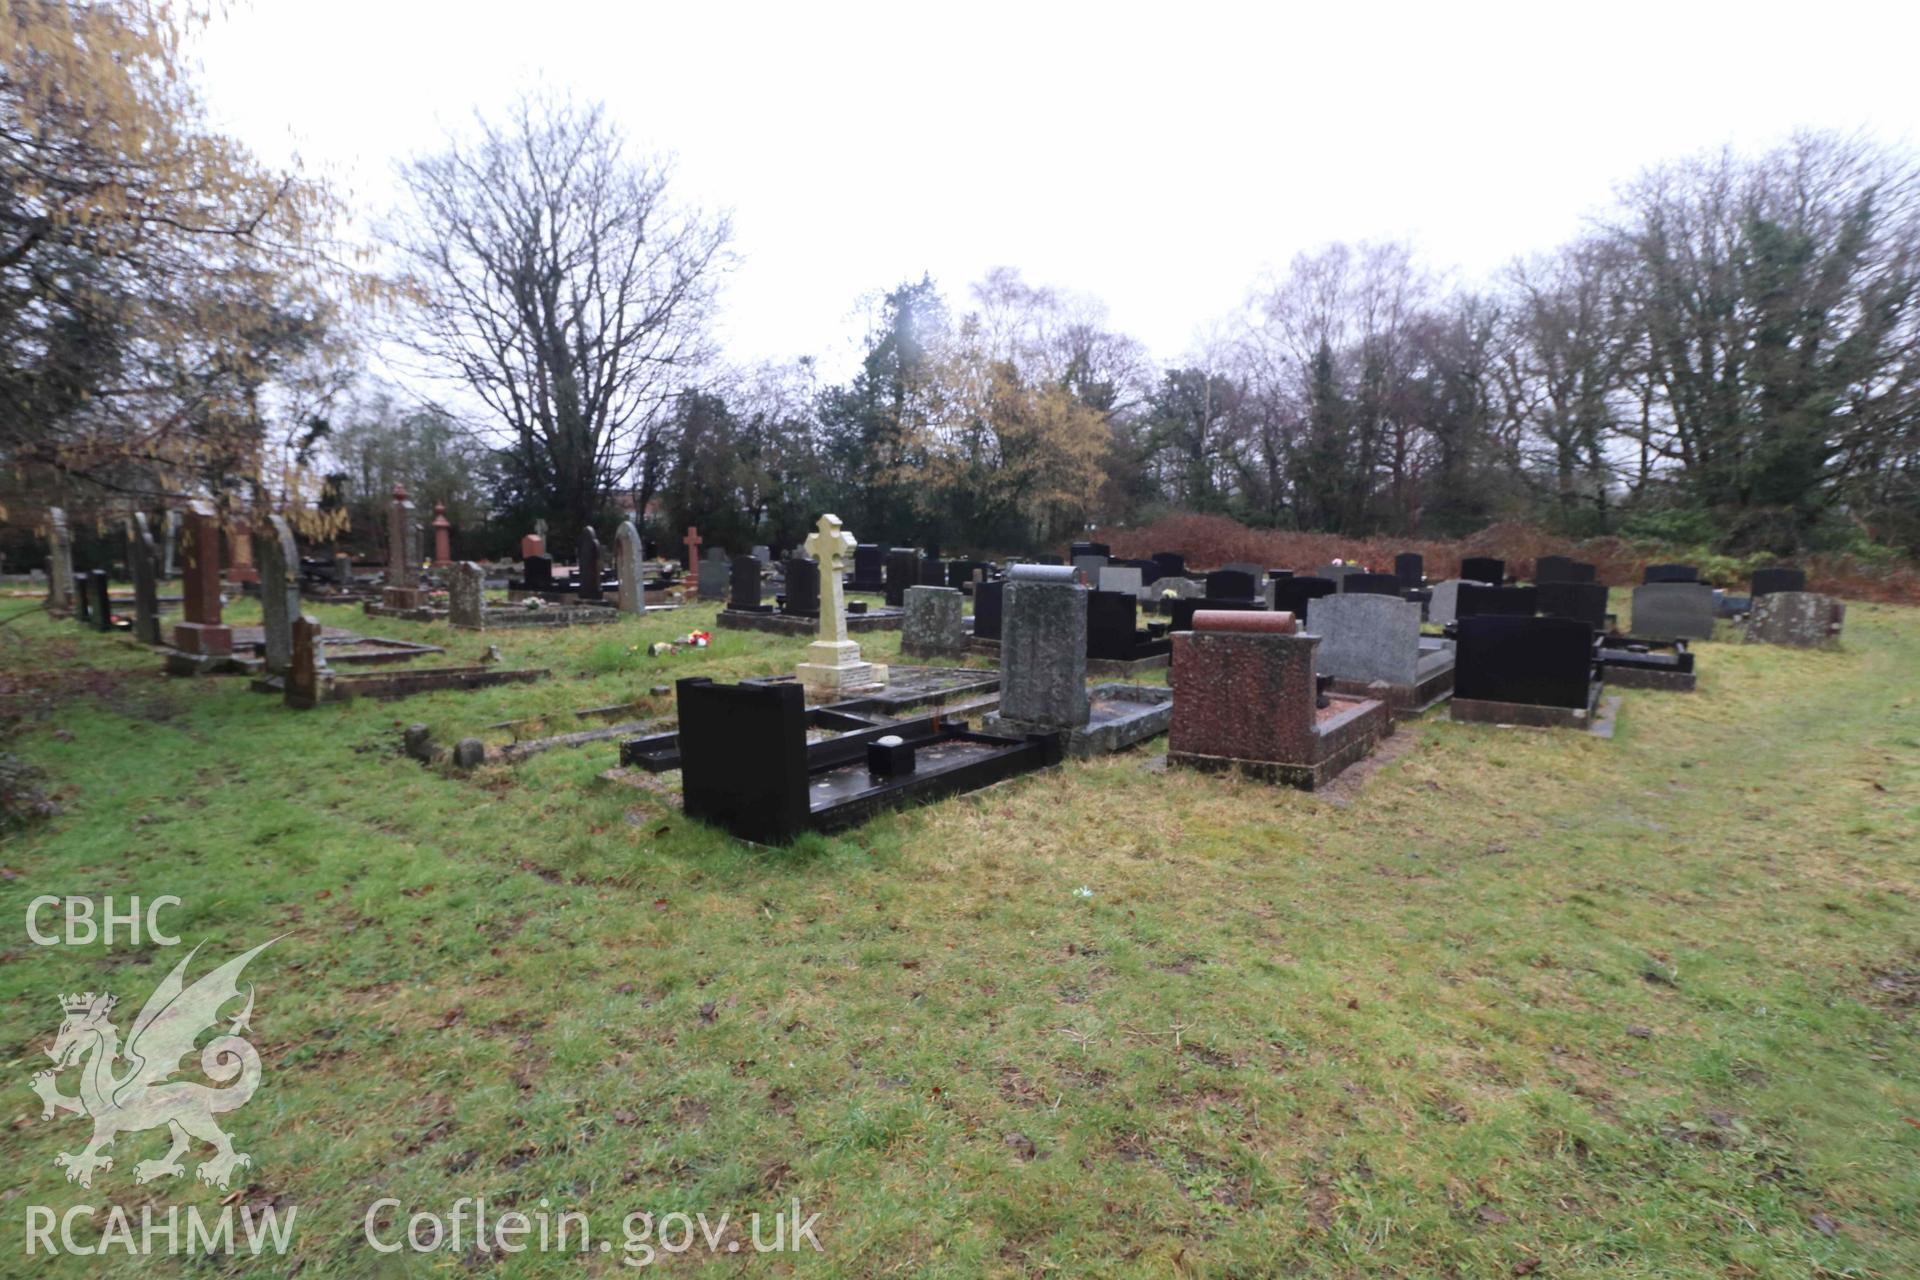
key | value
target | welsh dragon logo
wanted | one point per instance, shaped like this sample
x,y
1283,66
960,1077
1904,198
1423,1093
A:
x,y
134,1095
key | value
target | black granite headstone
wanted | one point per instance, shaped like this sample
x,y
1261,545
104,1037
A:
x,y
536,573
803,587
1767,581
743,757
743,575
869,568
933,572
1484,569
1231,584
1296,595
1171,564
1586,601
1410,567
1375,584
1669,573
101,609
903,571
1545,662
586,578
986,610
1506,602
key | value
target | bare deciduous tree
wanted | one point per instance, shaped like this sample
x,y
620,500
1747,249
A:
x,y
557,283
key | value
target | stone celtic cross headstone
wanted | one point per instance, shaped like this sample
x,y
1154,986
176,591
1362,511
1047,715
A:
x,y
833,662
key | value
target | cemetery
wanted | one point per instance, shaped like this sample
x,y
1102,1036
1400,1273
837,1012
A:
x,y
591,675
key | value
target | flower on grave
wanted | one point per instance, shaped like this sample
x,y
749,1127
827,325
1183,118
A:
x,y
1083,892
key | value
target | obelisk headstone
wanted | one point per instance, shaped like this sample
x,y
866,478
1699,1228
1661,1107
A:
x,y
403,560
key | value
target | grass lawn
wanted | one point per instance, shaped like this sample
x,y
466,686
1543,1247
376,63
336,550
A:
x,y
1523,1003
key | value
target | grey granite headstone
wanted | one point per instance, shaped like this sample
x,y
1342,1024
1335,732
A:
x,y
277,557
763,554
1368,637
60,592
632,593
716,574
1445,605
467,596
933,626
1805,619
1090,567
143,563
1673,611
1043,648
1119,578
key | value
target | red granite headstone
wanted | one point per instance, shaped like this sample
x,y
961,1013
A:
x,y
201,632
442,537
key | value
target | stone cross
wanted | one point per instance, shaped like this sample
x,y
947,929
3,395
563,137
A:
x,y
833,550
693,541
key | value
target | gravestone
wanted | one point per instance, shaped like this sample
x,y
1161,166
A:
x,y
745,579
442,537
1366,636
1554,569
1232,584
869,568
987,600
242,571
143,562
1113,630
1673,610
716,574
536,573
1089,567
467,596
1779,578
307,672
60,586
403,558
692,542
1669,573
763,554
82,599
1296,595
631,594
100,605
1484,569
1586,601
1172,564
803,588
903,571
1508,602
200,631
1043,648
1100,549
170,549
1248,702
933,627
834,666
1411,569
1444,607
1541,662
1370,584
533,544
279,561
342,569
1122,578
933,572
1335,572
586,572
1803,619
960,572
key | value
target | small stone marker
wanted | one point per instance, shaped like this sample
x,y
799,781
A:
x,y
467,596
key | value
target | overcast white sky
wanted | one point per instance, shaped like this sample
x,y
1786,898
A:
x,y
1155,157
